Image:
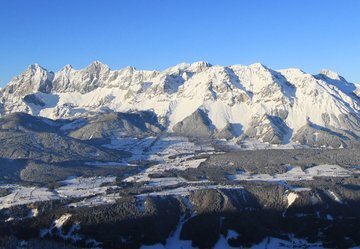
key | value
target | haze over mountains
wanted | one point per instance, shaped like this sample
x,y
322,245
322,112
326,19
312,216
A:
x,y
195,99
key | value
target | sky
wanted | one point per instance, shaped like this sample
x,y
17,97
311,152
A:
x,y
157,34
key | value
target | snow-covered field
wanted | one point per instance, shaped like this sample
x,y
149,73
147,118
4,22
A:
x,y
24,195
98,200
72,188
296,174
158,148
176,164
253,144
170,152
83,187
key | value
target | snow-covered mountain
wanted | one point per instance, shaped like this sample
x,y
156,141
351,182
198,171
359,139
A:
x,y
254,101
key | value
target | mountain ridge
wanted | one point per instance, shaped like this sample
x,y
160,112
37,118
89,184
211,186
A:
x,y
255,97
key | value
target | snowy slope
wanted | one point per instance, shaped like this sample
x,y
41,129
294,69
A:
x,y
256,99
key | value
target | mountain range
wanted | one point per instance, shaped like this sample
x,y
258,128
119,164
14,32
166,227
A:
x,y
196,100
195,156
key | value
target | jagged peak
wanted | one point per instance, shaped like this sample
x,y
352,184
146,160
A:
x,y
201,64
331,74
35,67
181,66
293,71
195,66
128,68
67,67
258,65
98,65
34,70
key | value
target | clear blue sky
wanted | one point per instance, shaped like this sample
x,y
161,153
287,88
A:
x,y
155,34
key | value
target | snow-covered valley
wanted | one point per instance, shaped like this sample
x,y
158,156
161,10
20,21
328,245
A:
x,y
183,176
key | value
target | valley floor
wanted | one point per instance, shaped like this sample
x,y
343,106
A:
x,y
172,192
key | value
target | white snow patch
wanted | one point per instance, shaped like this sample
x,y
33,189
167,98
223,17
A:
x,y
335,197
58,223
291,197
272,242
170,181
223,241
174,241
9,219
108,164
95,201
300,189
33,213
